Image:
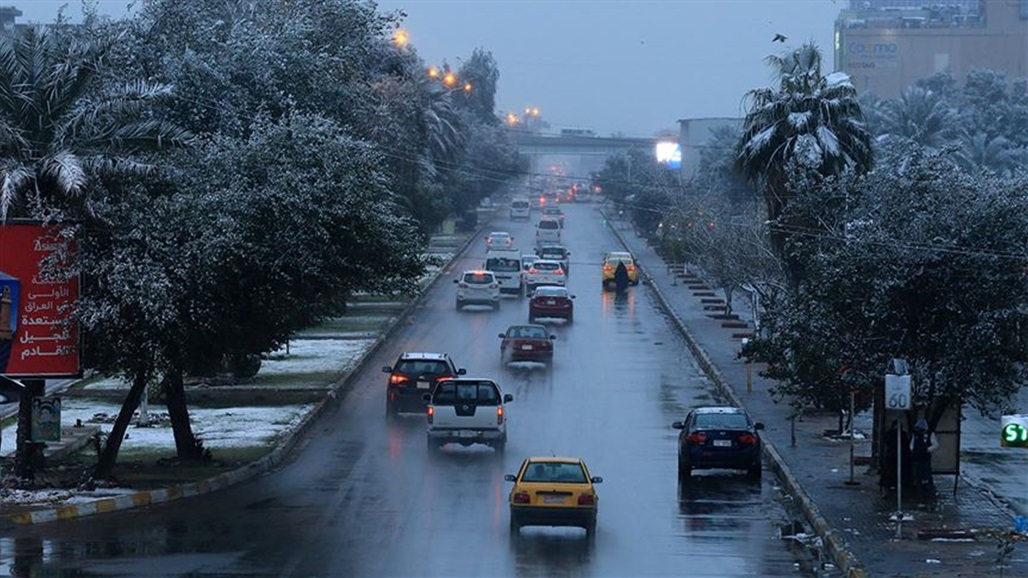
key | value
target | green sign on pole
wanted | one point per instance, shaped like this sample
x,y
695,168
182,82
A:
x,y
1014,432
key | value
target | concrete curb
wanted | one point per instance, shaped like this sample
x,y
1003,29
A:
x,y
836,547
252,469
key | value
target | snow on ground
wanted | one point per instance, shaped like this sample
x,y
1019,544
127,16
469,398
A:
x,y
306,356
234,427
224,427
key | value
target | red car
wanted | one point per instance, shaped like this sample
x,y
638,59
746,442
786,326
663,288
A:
x,y
551,301
526,343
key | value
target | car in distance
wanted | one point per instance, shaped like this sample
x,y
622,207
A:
x,y
477,287
506,265
526,343
547,230
520,208
413,375
610,263
555,253
553,491
499,240
718,438
555,212
544,272
467,411
551,301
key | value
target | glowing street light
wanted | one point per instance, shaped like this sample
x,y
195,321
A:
x,y
400,38
467,87
450,79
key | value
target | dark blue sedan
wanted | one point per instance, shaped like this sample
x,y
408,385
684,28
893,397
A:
x,y
718,438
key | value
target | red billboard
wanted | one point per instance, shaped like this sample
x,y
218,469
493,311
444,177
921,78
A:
x,y
38,337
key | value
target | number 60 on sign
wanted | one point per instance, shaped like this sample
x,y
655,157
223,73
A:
x,y
897,391
1014,432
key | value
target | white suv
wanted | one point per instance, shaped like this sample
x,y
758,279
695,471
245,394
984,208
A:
x,y
544,272
467,411
478,287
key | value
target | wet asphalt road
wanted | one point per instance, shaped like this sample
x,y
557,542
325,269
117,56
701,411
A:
x,y
362,497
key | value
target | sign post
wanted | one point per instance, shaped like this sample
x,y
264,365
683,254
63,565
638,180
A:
x,y
897,397
1014,434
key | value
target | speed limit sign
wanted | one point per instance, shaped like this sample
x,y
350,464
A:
x,y
897,391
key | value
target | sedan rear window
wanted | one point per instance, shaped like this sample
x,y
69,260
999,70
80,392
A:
x,y
554,472
546,291
721,421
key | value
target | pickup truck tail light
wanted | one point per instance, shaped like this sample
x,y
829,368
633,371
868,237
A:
x,y
499,416
430,413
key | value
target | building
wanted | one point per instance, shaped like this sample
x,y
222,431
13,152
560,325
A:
x,y
8,14
887,45
694,135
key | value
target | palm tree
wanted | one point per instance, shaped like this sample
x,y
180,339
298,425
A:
x,y
810,118
60,125
920,115
997,154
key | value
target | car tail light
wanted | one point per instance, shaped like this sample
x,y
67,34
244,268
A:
x,y
494,285
696,438
444,377
607,268
396,379
586,499
631,267
558,272
430,413
521,498
533,271
499,415
747,439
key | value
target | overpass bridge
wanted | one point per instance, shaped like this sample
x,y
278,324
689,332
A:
x,y
589,152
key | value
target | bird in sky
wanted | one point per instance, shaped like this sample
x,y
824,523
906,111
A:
x,y
779,38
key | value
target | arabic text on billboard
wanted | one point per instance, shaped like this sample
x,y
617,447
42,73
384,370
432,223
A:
x,y
38,337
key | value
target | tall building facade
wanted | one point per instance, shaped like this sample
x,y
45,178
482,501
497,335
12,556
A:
x,y
887,45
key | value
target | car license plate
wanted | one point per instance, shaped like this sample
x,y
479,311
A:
x,y
526,348
723,443
423,385
467,433
551,302
553,499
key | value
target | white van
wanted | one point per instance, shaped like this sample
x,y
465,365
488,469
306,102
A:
x,y
520,208
506,265
547,231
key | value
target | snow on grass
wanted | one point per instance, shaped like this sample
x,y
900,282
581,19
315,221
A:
x,y
315,356
236,427
305,357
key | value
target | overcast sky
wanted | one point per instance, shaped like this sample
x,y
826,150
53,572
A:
x,y
630,66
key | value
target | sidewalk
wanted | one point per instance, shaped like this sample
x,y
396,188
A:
x,y
852,520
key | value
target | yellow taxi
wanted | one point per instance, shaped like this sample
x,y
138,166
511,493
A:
x,y
553,491
610,263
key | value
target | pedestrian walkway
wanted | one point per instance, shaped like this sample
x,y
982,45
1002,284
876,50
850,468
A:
x,y
957,535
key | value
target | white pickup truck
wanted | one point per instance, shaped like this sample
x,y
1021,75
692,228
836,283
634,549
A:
x,y
467,411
